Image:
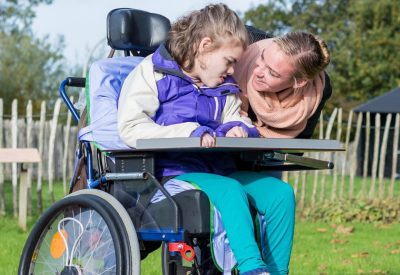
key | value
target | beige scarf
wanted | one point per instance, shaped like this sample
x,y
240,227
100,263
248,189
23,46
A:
x,y
279,115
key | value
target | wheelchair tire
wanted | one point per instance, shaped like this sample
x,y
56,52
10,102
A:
x,y
97,241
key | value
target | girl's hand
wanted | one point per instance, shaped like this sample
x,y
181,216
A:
x,y
207,140
236,131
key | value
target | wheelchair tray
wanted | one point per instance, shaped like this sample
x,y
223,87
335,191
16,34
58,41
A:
x,y
240,144
270,154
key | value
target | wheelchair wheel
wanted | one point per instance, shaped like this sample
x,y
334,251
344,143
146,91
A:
x,y
81,234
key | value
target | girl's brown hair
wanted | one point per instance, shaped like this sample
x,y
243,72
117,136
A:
x,y
215,21
310,53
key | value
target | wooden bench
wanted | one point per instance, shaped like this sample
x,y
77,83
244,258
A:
x,y
21,156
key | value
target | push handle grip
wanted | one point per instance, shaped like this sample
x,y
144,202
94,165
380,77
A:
x,y
76,82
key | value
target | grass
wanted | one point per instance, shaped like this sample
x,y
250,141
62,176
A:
x,y
319,248
369,249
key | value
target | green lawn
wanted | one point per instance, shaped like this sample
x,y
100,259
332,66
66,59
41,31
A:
x,y
320,248
369,249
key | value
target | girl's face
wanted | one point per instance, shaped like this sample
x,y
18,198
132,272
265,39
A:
x,y
274,70
212,66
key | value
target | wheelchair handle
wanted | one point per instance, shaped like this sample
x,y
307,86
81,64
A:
x,y
76,82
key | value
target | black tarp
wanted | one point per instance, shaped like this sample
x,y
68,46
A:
x,y
384,105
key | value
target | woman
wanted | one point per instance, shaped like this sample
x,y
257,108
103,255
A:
x,y
283,83
283,90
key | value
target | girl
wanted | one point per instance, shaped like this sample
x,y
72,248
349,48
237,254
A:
x,y
185,89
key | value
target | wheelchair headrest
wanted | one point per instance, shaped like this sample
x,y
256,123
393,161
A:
x,y
136,30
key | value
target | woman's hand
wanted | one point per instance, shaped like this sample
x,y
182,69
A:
x,y
207,140
236,131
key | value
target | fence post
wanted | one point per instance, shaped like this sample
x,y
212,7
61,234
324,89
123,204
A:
x,y
2,197
40,147
316,172
52,138
353,158
327,136
334,154
303,189
346,153
295,182
67,129
382,156
375,155
14,135
395,155
363,191
30,165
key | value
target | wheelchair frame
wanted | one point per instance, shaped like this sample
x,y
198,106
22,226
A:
x,y
138,165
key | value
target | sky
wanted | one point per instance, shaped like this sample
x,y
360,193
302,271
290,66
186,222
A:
x,y
83,22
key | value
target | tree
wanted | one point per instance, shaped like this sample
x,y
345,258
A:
x,y
362,35
30,67
17,15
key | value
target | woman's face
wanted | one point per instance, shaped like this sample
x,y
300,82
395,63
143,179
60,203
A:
x,y
274,70
213,66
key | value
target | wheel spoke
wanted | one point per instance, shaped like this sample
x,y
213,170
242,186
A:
x,y
96,245
86,253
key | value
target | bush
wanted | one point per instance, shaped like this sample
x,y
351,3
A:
x,y
355,210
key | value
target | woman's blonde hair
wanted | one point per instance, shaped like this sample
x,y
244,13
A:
x,y
310,53
215,21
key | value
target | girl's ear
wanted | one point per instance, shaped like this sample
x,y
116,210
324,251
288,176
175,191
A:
x,y
205,45
298,83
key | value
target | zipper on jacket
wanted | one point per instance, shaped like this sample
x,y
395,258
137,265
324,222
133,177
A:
x,y
216,108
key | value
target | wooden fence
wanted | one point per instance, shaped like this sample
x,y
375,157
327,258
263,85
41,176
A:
x,y
342,178
56,143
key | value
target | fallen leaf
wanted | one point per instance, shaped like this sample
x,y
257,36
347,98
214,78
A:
x,y
377,271
322,230
360,255
396,251
347,262
322,267
360,271
384,226
389,245
337,241
344,230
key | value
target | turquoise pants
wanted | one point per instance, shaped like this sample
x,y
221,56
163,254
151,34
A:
x,y
271,197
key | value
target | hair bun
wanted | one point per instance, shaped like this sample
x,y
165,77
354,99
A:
x,y
324,51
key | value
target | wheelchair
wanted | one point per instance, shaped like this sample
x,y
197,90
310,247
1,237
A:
x,y
111,225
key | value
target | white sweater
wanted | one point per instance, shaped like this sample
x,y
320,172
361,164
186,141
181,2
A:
x,y
138,102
